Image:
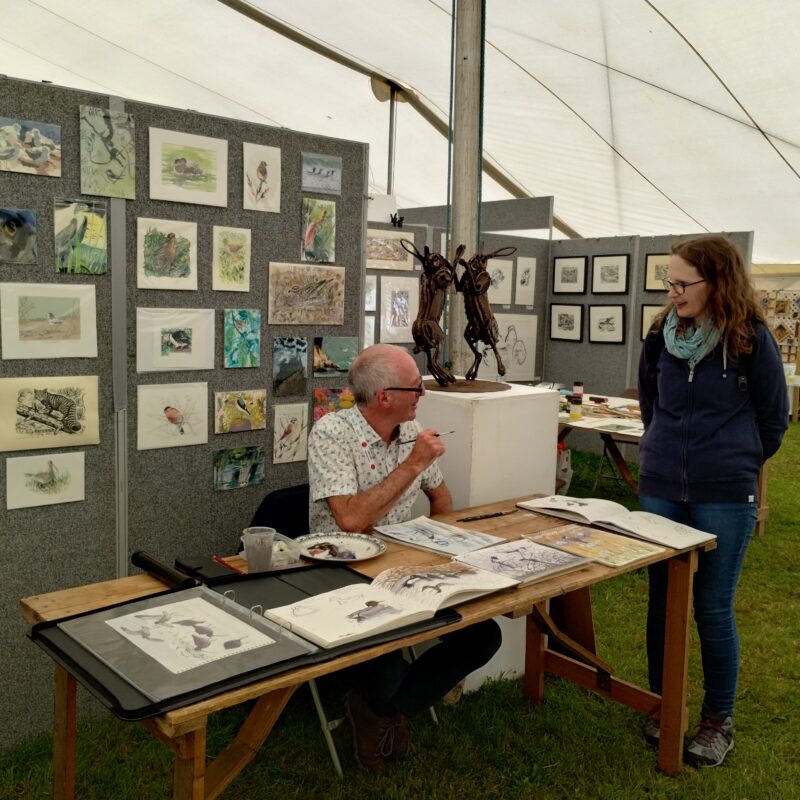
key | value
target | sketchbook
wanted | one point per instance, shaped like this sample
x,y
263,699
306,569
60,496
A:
x,y
440,537
615,517
604,547
523,560
397,597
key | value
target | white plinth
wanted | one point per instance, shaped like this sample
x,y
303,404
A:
x,y
504,446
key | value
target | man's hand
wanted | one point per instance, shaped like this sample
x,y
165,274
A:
x,y
427,448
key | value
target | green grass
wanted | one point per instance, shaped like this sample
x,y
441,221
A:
x,y
492,745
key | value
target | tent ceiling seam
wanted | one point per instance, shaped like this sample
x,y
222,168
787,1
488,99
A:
x,y
724,86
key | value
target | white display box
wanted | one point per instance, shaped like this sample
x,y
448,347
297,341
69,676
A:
x,y
504,446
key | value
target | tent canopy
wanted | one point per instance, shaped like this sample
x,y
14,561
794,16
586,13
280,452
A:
x,y
640,117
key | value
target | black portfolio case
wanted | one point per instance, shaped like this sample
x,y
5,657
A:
x,y
264,590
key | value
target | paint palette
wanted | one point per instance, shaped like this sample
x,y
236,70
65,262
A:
x,y
339,546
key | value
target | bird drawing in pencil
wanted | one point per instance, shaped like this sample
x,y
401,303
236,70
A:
x,y
289,434
44,479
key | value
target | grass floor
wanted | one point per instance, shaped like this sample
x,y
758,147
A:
x,y
492,745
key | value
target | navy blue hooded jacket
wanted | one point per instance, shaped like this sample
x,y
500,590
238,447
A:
x,y
706,439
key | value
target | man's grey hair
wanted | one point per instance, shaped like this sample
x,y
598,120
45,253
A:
x,y
374,369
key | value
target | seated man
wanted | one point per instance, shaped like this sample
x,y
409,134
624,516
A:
x,y
366,466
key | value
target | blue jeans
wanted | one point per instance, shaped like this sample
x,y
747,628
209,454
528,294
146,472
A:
x,y
714,589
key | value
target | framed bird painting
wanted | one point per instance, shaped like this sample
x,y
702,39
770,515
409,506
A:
x,y
171,415
169,339
187,168
48,320
290,442
166,254
261,177
45,480
81,237
231,260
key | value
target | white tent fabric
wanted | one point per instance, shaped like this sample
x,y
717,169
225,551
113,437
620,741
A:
x,y
639,116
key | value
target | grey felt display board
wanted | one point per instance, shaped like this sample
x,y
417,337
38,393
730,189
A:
x,y
167,502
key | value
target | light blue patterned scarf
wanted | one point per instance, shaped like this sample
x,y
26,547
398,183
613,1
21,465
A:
x,y
694,343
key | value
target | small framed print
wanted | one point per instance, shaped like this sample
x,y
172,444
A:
x,y
649,313
655,270
569,275
566,322
607,324
610,274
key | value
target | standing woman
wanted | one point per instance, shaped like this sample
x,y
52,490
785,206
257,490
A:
x,y
715,407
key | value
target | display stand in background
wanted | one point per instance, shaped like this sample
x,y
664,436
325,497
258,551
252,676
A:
x,y
503,445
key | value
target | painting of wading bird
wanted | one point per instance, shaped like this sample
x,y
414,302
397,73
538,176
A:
x,y
80,237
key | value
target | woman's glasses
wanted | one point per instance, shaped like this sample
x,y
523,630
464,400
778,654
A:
x,y
679,287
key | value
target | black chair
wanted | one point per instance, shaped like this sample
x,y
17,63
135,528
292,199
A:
x,y
286,510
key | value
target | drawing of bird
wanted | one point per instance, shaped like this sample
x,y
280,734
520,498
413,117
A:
x,y
36,156
52,319
35,137
162,618
240,325
174,417
286,437
143,632
232,248
8,152
46,477
309,293
312,230
200,642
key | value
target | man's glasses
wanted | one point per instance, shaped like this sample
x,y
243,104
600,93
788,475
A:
x,y
416,389
679,287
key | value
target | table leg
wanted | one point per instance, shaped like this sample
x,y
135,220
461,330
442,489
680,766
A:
x,y
676,662
64,734
189,776
763,507
622,465
533,684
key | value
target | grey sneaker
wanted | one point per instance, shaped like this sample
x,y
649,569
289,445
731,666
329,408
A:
x,y
652,732
712,741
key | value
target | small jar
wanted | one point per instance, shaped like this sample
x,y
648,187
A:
x,y
577,388
575,406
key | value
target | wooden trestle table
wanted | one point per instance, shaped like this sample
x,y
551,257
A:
x,y
568,652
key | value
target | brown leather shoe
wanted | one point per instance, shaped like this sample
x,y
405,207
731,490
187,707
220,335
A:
x,y
402,736
373,736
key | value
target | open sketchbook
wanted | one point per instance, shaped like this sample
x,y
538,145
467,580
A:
x,y
603,547
440,537
523,560
615,517
396,597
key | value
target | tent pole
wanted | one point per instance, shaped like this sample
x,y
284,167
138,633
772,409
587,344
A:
x,y
392,129
466,171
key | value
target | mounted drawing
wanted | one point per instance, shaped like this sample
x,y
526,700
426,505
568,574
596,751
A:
x,y
516,346
648,315
32,147
289,365
607,324
290,442
230,265
526,281
569,275
171,415
166,254
45,480
399,307
610,274
321,174
37,413
241,338
244,410
170,339
318,235
384,250
108,156
239,467
305,294
500,273
262,178
186,168
48,320
655,270
566,322
326,401
80,237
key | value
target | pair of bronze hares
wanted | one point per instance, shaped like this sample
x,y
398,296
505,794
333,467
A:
x,y
437,276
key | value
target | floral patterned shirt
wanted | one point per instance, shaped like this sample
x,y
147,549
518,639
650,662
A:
x,y
346,456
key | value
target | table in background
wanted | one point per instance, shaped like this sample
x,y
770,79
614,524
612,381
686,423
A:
x,y
183,730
